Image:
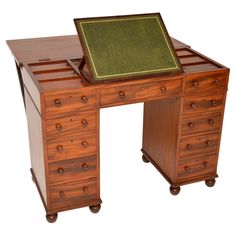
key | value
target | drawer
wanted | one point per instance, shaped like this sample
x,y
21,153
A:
x,y
201,123
140,92
72,146
198,144
205,83
65,102
73,170
70,194
197,167
193,105
70,124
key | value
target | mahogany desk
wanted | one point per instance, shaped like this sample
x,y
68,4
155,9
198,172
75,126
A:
x,y
183,117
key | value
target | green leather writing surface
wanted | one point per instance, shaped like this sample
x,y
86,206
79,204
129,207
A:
x,y
117,47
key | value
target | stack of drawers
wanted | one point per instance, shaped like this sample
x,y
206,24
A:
x,y
203,107
71,145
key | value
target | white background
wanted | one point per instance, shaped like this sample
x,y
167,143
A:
x,y
136,198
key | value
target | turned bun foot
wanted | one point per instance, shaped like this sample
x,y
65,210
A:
x,y
145,159
174,190
210,182
51,218
95,209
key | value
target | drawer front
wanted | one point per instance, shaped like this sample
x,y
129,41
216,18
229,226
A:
x,y
198,144
73,170
72,146
196,167
65,102
132,93
70,194
205,83
70,124
201,123
203,104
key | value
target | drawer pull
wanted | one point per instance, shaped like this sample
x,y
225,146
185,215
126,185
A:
x,y
60,170
187,168
58,127
216,81
84,99
189,147
122,94
84,123
57,103
190,125
85,166
84,144
195,83
208,142
163,89
206,164
85,189
193,105
60,148
213,102
61,194
211,121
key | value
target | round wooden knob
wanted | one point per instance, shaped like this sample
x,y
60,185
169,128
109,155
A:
x,y
216,81
84,99
190,125
213,102
187,168
61,194
163,89
84,123
122,94
195,83
85,189
206,164
84,144
211,121
57,102
60,148
58,127
85,166
193,105
60,170
208,142
189,146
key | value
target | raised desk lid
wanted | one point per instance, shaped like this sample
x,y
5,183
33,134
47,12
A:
x,y
122,47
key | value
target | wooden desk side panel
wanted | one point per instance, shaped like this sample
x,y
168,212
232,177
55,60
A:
x,y
160,133
36,144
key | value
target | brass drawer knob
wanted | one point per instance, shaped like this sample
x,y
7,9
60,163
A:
x,y
84,144
60,170
213,102
60,148
190,125
211,121
84,99
206,164
84,166
121,94
57,103
189,146
195,83
193,105
216,81
187,168
85,189
58,126
61,194
84,123
208,142
163,89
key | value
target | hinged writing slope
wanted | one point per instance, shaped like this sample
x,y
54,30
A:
x,y
122,47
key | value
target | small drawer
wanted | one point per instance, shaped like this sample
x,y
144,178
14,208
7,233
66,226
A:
x,y
140,92
205,83
194,105
73,170
66,102
73,193
197,167
201,123
72,146
198,144
70,124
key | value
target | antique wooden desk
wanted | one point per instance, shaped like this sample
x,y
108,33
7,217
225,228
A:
x,y
183,117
